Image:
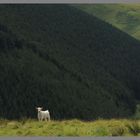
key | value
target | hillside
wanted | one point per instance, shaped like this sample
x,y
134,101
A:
x,y
123,16
63,59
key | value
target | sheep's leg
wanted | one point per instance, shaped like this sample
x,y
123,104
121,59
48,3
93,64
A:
x,y
45,118
41,118
48,118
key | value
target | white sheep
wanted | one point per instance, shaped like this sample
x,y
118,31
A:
x,y
43,114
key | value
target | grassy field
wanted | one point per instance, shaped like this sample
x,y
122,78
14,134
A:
x,y
123,16
75,127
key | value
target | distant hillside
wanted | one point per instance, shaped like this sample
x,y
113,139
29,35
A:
x,y
124,16
63,59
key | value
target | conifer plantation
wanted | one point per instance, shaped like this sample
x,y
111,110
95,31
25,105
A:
x,y
65,60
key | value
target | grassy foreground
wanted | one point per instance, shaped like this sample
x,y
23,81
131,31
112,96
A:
x,y
75,127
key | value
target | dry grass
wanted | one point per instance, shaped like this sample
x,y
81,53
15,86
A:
x,y
74,127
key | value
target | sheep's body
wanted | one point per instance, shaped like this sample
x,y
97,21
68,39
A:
x,y
43,115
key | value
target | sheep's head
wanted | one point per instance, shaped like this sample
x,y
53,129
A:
x,y
39,109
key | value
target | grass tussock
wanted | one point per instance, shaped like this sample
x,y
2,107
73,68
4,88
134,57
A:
x,y
118,131
133,127
30,127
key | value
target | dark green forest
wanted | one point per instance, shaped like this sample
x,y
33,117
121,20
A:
x,y
72,63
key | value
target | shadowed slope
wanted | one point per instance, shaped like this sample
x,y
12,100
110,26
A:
x,y
72,63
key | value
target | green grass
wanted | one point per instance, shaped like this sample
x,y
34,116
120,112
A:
x,y
74,127
123,16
